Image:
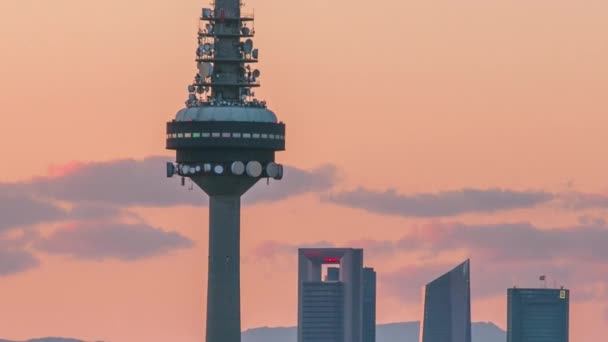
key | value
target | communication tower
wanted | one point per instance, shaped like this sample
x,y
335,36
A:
x,y
225,141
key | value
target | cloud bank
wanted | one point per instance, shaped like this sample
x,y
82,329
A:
x,y
502,255
16,261
128,182
22,210
273,249
91,201
509,241
442,204
514,242
113,241
295,182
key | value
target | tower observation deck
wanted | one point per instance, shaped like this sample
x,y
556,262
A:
x,y
225,141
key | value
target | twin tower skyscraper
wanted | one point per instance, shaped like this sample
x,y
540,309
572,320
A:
x,y
336,296
342,306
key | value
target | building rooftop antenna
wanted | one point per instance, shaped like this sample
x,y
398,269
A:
x,y
543,280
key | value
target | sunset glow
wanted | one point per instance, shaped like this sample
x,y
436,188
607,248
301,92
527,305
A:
x,y
425,132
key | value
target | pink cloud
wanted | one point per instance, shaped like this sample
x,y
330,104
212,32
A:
x,y
268,249
62,170
271,249
127,242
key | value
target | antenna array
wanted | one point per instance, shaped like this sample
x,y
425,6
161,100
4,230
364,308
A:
x,y
224,56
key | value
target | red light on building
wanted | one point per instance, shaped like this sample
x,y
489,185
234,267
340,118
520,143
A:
x,y
331,260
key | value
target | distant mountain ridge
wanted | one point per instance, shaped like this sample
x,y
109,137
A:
x,y
391,332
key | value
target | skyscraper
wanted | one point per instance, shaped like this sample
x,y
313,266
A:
x,y
369,300
369,305
331,310
538,315
447,307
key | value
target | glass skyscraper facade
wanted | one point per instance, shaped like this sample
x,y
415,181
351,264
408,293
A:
x,y
369,305
447,307
369,300
330,310
323,311
538,315
339,305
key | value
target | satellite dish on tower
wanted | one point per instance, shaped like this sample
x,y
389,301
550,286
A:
x,y
245,31
209,28
170,169
255,53
237,168
205,69
207,12
273,170
248,46
256,73
207,48
254,169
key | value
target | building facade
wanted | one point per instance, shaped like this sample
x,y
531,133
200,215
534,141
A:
x,y
369,300
369,305
538,315
447,307
322,311
330,310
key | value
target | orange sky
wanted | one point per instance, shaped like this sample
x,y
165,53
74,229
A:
x,y
417,96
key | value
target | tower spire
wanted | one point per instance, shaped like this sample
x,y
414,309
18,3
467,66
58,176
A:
x,y
225,142
225,58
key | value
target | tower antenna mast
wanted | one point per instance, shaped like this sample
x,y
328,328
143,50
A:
x,y
225,141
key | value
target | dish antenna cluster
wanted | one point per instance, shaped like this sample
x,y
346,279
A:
x,y
249,50
224,72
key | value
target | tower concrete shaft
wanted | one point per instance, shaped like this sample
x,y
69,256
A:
x,y
223,284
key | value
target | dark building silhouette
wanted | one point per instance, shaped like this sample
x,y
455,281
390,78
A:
x,y
369,300
538,315
447,307
340,305
369,305
322,312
